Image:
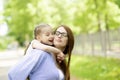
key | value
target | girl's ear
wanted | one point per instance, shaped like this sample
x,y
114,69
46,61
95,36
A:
x,y
38,37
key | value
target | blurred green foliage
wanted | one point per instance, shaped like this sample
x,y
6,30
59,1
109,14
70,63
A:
x,y
82,16
117,2
95,68
5,42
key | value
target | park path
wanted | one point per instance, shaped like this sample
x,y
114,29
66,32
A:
x,y
8,59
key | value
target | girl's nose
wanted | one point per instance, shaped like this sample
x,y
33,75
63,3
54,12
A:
x,y
52,36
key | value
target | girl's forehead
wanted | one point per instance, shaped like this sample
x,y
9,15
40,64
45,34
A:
x,y
46,29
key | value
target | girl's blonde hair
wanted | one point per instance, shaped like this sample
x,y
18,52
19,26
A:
x,y
38,29
37,32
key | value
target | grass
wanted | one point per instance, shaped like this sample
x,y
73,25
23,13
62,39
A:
x,y
95,68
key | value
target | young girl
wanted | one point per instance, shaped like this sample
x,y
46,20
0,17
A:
x,y
41,42
37,61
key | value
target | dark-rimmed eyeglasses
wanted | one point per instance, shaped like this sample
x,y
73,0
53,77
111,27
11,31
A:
x,y
62,34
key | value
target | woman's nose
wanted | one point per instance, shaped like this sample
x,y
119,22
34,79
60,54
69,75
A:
x,y
60,35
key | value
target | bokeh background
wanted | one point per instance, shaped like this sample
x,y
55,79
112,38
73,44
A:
x,y
95,24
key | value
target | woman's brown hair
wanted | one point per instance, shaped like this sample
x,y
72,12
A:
x,y
64,65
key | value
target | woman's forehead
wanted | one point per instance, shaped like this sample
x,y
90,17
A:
x,y
61,29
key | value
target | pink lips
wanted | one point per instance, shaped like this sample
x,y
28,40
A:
x,y
51,40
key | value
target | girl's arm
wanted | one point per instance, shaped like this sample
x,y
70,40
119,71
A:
x,y
37,45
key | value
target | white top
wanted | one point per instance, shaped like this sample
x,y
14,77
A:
x,y
61,75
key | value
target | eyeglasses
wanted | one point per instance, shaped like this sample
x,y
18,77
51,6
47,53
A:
x,y
63,34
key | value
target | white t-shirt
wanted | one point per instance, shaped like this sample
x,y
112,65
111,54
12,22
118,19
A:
x,y
61,75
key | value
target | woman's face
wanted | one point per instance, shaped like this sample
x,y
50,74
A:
x,y
60,38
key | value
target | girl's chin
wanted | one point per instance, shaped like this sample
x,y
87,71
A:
x,y
49,44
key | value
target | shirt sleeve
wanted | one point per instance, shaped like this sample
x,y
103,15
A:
x,y
23,68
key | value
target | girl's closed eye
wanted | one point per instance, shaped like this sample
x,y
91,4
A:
x,y
47,34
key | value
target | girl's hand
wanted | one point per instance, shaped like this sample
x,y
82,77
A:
x,y
60,57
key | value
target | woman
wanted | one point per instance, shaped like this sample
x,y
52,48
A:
x,y
64,40
40,65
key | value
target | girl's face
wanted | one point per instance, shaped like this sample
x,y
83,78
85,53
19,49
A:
x,y
60,38
46,36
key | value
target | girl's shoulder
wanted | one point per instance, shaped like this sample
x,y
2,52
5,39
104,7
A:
x,y
34,40
39,52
